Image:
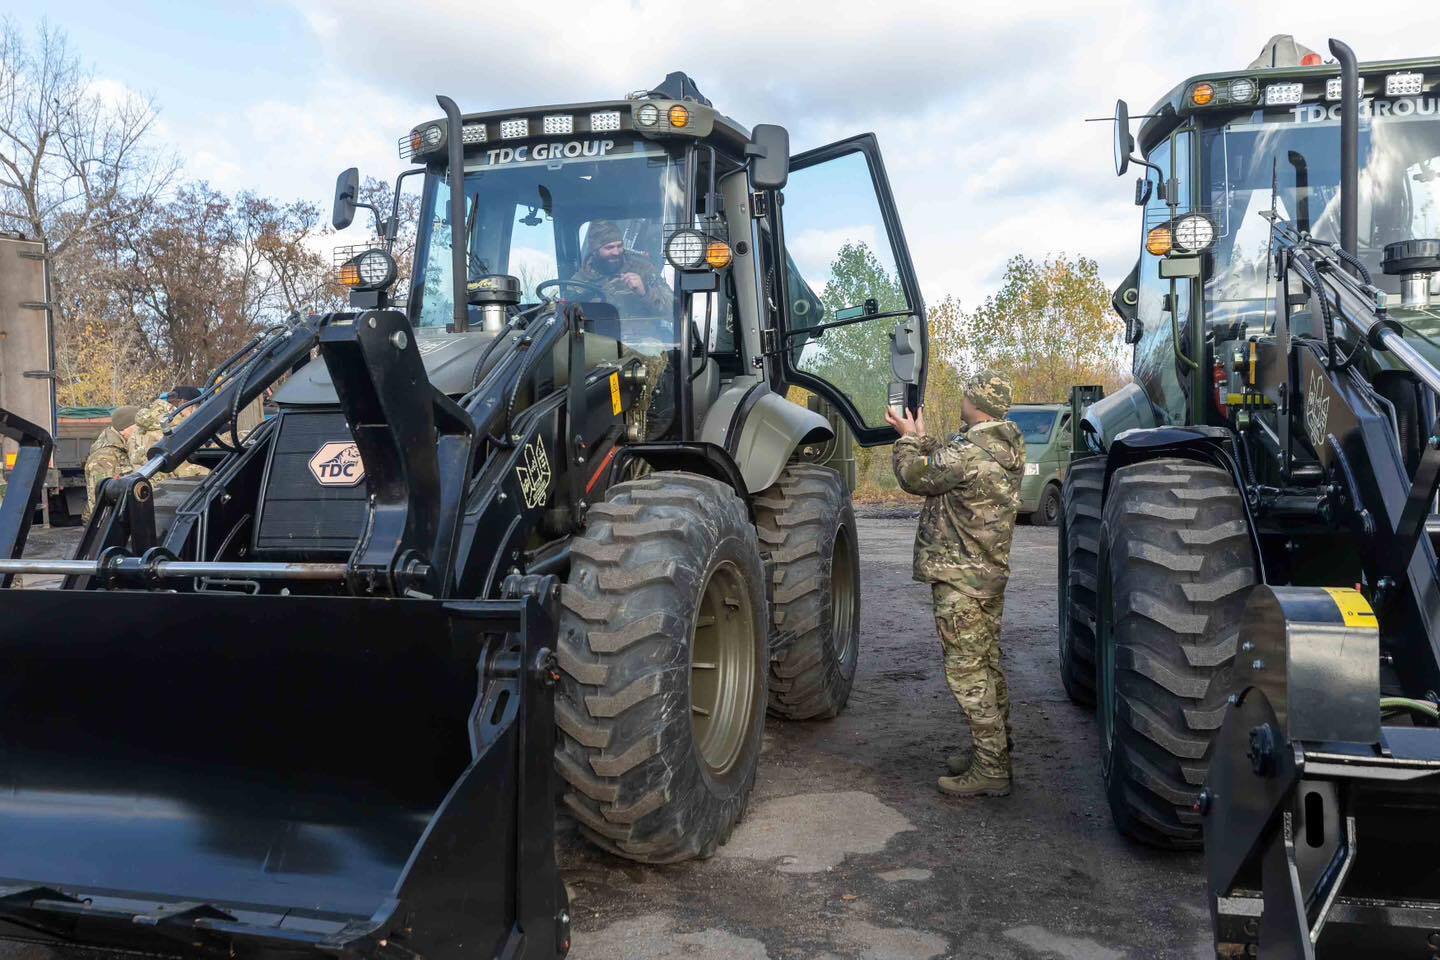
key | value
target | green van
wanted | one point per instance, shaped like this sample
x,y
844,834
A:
x,y
1047,455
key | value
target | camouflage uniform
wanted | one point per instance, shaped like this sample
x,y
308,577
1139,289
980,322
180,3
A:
x,y
109,458
657,300
962,549
149,428
657,402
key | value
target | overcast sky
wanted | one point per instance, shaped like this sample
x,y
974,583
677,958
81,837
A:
x,y
979,107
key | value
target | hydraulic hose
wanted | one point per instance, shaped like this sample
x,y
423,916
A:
x,y
1424,707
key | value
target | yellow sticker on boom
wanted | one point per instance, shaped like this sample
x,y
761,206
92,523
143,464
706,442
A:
x,y
1354,608
615,393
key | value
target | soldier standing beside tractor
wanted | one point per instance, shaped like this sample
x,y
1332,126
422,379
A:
x,y
962,549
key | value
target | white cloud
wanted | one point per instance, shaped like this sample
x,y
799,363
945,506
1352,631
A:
x,y
814,250
979,107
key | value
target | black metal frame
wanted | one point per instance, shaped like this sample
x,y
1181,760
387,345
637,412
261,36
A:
x,y
867,146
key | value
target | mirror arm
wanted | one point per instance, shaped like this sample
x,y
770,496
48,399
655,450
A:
x,y
1160,180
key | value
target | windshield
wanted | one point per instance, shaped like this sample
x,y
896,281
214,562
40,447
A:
x,y
586,225
1289,160
1035,424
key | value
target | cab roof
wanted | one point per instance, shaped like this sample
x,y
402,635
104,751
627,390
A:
x,y
498,128
1173,109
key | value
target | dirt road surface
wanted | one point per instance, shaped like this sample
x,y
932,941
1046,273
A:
x,y
848,850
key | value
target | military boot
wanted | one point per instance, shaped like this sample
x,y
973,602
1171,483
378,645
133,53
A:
x,y
958,763
972,783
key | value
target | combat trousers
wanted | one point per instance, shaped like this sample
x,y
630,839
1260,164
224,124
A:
x,y
969,630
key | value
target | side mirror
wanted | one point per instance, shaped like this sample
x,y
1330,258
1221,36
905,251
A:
x,y
347,191
769,153
1124,143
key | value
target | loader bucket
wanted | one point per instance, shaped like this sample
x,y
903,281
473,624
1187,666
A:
x,y
189,773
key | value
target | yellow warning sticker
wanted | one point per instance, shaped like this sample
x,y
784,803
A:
x,y
1354,608
615,393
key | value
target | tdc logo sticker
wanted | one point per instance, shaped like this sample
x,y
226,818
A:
x,y
534,475
338,464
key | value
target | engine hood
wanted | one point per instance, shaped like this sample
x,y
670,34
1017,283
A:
x,y
449,360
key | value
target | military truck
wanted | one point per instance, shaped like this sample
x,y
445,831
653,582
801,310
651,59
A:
x,y
27,375
567,467
1250,575
1046,427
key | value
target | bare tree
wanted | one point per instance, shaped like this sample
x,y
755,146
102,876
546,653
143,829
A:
x,y
281,240
69,149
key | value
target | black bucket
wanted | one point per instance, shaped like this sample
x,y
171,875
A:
x,y
271,774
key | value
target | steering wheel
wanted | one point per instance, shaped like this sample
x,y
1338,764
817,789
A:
x,y
583,286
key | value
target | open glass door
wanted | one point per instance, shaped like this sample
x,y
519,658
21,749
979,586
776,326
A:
x,y
852,324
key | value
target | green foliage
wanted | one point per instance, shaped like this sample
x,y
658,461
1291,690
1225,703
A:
x,y
856,357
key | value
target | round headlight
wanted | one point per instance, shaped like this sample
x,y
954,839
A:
x,y
647,114
432,134
370,270
1194,233
1242,91
686,249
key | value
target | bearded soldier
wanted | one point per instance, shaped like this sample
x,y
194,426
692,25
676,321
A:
x,y
962,549
630,281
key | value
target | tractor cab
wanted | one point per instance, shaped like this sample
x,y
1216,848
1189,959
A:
x,y
666,223
1224,154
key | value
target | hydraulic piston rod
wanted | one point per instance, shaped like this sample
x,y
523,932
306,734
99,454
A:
x,y
178,569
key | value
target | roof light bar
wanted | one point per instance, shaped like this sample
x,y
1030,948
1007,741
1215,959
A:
x,y
557,123
473,133
514,129
1283,94
604,121
1404,84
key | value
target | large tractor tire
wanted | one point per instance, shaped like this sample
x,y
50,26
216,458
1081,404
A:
x,y
663,660
1079,550
1176,566
807,534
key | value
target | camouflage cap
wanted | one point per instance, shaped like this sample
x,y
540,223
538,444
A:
x,y
989,391
600,233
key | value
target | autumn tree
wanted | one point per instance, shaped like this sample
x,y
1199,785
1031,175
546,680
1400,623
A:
x,y
1049,326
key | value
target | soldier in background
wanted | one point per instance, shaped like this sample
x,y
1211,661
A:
x,y
109,455
962,549
150,427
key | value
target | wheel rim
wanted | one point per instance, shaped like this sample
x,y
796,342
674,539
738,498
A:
x,y
722,669
1052,507
843,627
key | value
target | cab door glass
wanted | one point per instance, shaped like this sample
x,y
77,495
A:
x,y
1156,365
842,266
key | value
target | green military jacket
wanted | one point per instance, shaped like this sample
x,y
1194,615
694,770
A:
x,y
149,428
657,299
972,491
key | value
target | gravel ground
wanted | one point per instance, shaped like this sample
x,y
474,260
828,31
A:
x,y
848,850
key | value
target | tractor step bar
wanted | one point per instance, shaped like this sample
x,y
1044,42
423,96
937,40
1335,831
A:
x,y
164,569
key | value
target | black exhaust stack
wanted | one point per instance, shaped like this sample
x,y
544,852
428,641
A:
x,y
459,241
1349,146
